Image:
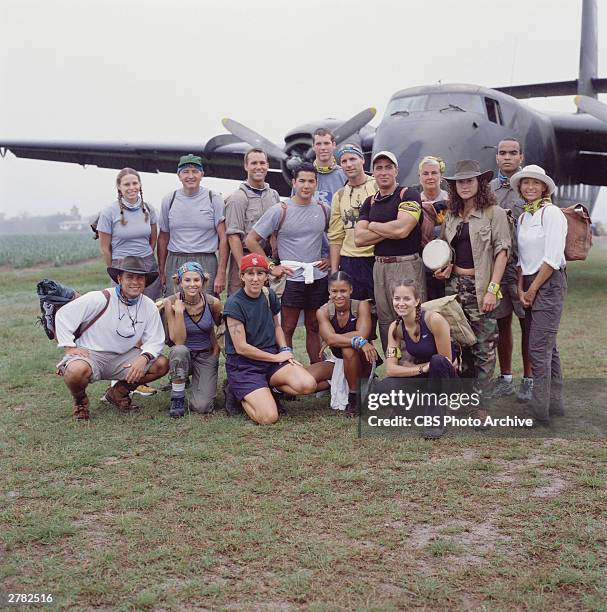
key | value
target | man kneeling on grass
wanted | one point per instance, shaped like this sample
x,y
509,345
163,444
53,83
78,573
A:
x,y
112,334
257,356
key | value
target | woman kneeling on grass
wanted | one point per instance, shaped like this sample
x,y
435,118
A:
x,y
190,316
257,355
345,326
426,336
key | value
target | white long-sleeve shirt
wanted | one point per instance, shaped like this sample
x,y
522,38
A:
x,y
142,320
541,238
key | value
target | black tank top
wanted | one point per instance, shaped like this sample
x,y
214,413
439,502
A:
x,y
463,247
350,326
425,347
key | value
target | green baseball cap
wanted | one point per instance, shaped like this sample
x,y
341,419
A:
x,y
189,160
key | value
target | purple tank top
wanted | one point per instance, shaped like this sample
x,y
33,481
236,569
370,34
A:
x,y
350,326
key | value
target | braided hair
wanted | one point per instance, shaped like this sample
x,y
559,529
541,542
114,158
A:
x,y
144,207
340,275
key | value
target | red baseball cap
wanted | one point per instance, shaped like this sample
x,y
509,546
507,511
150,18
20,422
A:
x,y
253,260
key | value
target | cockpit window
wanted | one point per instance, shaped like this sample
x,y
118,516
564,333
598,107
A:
x,y
443,102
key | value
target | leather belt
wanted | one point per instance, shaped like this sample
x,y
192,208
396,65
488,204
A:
x,y
396,258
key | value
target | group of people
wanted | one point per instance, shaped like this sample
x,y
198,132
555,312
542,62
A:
x,y
344,249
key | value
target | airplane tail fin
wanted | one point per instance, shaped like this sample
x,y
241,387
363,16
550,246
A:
x,y
587,84
589,51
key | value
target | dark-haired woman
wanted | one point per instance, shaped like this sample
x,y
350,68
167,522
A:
x,y
128,227
478,231
426,337
542,287
345,326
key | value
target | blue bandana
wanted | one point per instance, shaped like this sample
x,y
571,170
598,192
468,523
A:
x,y
127,301
191,266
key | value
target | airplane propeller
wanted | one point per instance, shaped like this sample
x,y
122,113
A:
x,y
343,132
592,107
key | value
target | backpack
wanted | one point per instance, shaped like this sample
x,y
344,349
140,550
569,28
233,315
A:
x,y
450,309
579,235
283,216
52,297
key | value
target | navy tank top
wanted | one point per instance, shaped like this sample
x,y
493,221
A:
x,y
350,326
425,347
198,333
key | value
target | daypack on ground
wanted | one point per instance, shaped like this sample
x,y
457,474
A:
x,y
53,296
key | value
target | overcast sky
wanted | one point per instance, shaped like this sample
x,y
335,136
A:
x,y
163,71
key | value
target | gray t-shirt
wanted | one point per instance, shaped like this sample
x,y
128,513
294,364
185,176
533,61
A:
x,y
328,184
192,221
301,236
132,238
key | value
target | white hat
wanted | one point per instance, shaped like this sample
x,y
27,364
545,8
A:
x,y
387,154
534,172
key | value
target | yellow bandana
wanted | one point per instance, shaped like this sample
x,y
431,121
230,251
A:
x,y
533,207
325,169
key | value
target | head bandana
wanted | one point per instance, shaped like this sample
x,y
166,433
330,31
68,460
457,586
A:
x,y
349,148
191,266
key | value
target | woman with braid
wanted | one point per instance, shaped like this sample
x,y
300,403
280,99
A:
x,y
128,227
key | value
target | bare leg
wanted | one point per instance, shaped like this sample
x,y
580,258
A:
x,y
351,367
260,406
288,322
312,336
77,376
505,343
525,350
322,372
294,380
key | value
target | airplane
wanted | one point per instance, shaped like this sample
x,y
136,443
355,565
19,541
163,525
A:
x,y
455,121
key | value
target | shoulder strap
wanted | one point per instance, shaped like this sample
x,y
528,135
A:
x,y
172,199
215,307
325,213
283,215
82,328
354,308
542,216
331,310
402,192
266,294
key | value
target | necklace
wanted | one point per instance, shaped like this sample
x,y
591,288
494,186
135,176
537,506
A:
x,y
193,303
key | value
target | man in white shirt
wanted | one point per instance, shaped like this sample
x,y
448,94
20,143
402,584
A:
x,y
114,334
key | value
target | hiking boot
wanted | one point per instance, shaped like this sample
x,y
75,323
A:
x,y
351,410
525,391
502,388
231,405
119,396
481,415
81,408
177,408
144,390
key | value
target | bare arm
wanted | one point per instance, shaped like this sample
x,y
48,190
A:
x,y
398,229
441,331
105,244
335,256
499,265
363,236
243,348
252,242
220,278
153,236
392,355
175,320
235,244
163,243
281,339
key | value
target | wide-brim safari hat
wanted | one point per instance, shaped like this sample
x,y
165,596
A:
x,y
468,168
534,172
133,264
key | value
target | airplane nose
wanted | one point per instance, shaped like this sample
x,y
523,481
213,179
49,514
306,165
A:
x,y
452,135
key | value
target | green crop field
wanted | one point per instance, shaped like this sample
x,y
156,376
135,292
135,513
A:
x,y
144,512
24,251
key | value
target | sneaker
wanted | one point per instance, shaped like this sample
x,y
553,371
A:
x,y
177,408
282,409
81,408
145,390
525,391
502,388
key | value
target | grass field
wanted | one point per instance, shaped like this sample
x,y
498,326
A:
x,y
142,512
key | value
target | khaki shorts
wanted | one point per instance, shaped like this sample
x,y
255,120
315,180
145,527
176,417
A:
x,y
509,303
104,365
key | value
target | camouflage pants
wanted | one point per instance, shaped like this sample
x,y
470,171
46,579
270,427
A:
x,y
479,359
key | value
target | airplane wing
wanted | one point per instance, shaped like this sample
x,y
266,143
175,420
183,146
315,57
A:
x,y
557,88
222,156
